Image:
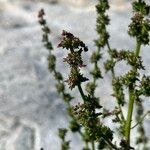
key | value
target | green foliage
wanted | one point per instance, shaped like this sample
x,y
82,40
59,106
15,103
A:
x,y
87,117
62,135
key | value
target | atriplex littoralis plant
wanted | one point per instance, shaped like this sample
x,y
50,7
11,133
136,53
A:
x,y
87,116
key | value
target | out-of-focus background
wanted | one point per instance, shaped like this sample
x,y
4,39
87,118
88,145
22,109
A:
x,y
30,109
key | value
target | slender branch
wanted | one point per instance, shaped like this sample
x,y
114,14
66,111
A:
x,y
121,113
141,120
108,45
111,144
86,143
112,70
94,79
81,92
113,74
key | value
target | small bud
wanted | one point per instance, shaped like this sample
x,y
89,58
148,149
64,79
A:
x,y
41,13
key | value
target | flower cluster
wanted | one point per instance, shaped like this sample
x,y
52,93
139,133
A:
x,y
145,86
118,91
69,41
102,22
126,55
74,58
88,118
62,134
45,29
103,36
140,28
141,7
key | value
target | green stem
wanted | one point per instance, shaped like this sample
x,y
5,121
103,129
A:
x,y
108,46
131,101
94,79
93,145
129,115
138,47
87,146
81,92
110,143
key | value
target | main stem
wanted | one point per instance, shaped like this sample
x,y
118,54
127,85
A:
x,y
93,145
130,112
131,102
